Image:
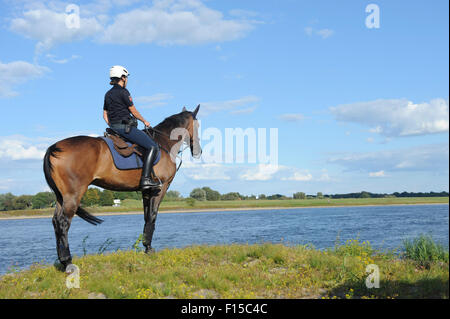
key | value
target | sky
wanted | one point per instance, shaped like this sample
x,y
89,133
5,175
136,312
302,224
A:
x,y
357,100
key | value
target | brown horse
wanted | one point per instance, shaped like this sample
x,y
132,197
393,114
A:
x,y
72,164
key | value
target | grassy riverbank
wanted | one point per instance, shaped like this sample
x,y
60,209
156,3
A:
x,y
182,205
236,271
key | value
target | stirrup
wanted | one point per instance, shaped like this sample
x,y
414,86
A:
x,y
147,183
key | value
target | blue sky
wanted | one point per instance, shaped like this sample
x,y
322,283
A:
x,y
355,108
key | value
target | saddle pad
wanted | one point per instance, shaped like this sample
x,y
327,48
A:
x,y
131,162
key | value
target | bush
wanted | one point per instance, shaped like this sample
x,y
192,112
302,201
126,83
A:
x,y
190,201
127,195
7,201
23,202
231,196
299,195
43,199
106,198
424,250
353,247
198,194
91,197
211,194
276,196
173,195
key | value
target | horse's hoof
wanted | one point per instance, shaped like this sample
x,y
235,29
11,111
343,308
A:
x,y
150,251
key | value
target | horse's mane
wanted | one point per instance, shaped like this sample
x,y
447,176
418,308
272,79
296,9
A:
x,y
173,121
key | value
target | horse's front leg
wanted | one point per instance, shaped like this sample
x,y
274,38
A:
x,y
150,219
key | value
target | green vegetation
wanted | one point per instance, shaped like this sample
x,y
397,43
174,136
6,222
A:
x,y
236,271
135,205
96,197
424,251
299,195
198,194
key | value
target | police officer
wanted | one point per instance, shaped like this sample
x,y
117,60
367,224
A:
x,y
118,112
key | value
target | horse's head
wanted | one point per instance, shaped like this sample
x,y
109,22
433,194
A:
x,y
182,128
192,128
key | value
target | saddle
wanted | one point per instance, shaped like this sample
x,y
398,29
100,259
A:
x,y
120,144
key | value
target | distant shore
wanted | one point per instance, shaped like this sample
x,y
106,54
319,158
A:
x,y
254,205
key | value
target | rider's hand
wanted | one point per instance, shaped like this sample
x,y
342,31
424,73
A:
x,y
147,124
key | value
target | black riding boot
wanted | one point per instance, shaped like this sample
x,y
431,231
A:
x,y
147,169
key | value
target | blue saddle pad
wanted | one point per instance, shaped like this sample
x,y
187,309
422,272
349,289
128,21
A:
x,y
131,162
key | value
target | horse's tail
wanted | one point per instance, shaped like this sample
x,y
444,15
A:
x,y
48,168
91,219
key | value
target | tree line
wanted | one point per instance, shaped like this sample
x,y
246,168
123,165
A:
x,y
95,196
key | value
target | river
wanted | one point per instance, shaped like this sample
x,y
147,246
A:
x,y
25,241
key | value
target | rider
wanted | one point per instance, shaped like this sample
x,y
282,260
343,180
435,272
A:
x,y
116,112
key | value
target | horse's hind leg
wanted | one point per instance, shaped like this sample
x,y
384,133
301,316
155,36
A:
x,y
61,223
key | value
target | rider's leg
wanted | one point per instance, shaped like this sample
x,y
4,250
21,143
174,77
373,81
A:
x,y
139,137
147,169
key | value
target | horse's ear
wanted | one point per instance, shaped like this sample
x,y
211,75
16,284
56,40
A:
x,y
184,109
196,110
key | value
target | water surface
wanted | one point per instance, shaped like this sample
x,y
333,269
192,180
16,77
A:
x,y
24,241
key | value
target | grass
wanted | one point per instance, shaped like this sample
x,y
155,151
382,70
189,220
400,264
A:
x,y
130,205
424,251
236,271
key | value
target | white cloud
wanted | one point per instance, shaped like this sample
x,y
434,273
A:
x,y
5,183
165,22
309,31
154,100
49,27
397,117
323,33
17,148
54,59
18,72
298,176
432,158
292,117
244,13
324,177
242,104
377,174
262,172
243,111
184,22
206,171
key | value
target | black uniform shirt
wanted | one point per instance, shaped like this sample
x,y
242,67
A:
x,y
117,103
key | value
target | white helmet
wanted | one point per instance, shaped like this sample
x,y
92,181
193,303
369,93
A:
x,y
118,71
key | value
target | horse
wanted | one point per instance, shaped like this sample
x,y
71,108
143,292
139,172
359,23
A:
x,y
74,163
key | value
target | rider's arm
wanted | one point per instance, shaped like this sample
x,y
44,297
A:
x,y
105,116
138,115
129,102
